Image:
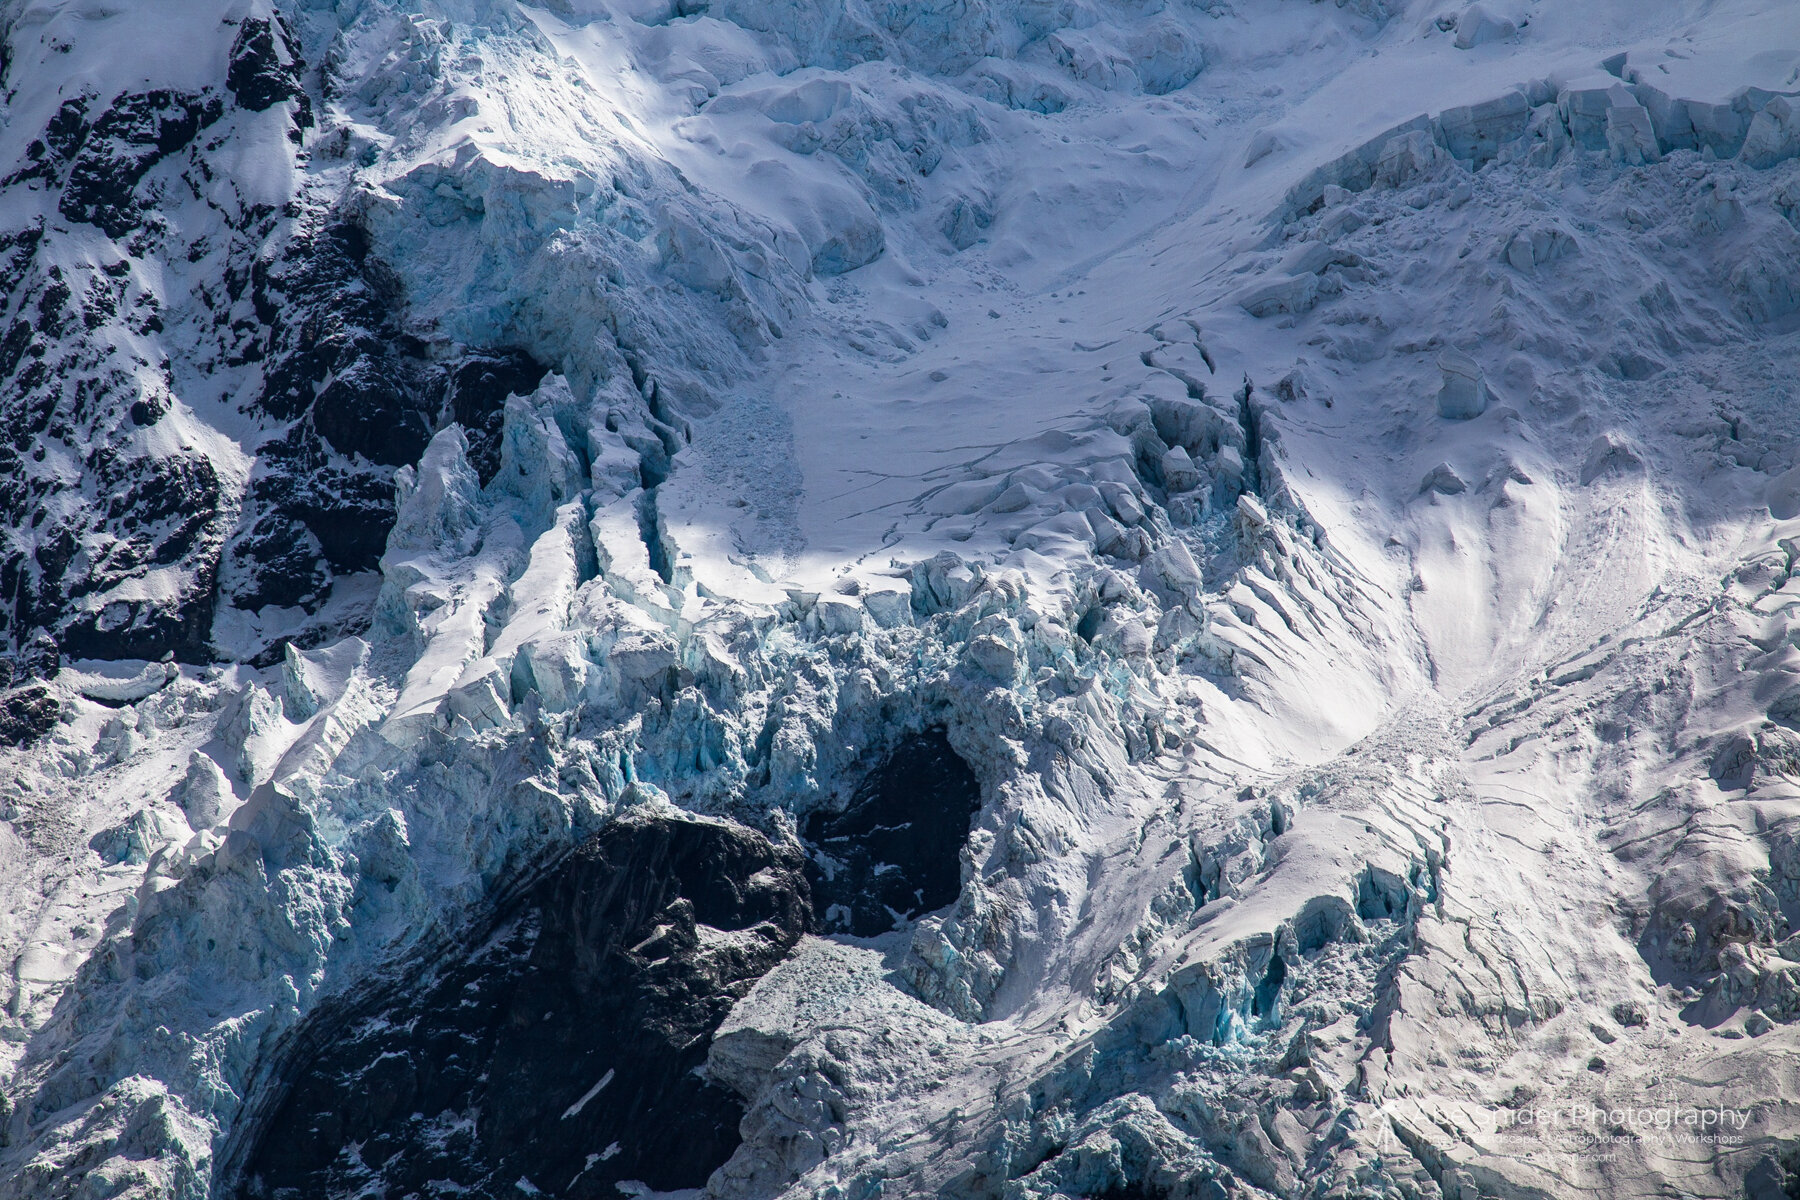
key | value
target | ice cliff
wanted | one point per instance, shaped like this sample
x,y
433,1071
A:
x,y
1010,599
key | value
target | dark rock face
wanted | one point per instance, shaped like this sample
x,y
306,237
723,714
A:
x,y
284,312
894,853
92,505
132,136
284,307
359,399
302,496
563,1050
477,401
336,350
47,158
69,404
27,714
264,71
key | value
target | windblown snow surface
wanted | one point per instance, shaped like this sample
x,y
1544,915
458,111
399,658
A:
x,y
1330,470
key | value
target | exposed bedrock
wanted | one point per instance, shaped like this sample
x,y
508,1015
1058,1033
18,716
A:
x,y
562,1047
893,852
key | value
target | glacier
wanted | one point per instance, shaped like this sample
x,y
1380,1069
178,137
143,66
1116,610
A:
x,y
1027,599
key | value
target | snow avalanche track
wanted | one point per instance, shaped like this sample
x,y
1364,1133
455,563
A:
x,y
514,506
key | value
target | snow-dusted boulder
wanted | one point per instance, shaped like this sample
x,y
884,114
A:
x,y
1719,128
1611,455
1408,157
312,679
1179,472
1463,393
1477,131
1584,110
1537,247
137,838
1764,286
1774,133
1630,134
1488,21
888,603
205,793
1443,480
839,615
1250,517
1283,294
1354,171
439,500
1784,505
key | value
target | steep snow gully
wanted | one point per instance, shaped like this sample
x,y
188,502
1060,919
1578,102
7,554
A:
x,y
946,598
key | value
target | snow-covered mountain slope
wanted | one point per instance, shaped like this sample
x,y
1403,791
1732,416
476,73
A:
x,y
981,599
